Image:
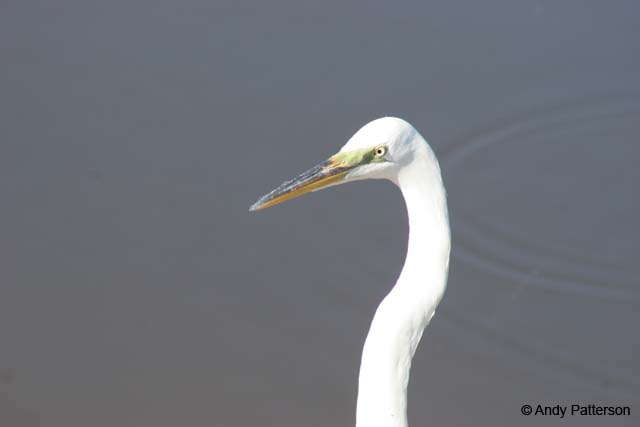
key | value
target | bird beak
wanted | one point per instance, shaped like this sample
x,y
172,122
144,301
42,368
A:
x,y
327,173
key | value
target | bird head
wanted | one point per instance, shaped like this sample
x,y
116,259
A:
x,y
377,151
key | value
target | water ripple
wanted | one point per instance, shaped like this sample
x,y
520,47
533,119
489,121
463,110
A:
x,y
547,200
527,257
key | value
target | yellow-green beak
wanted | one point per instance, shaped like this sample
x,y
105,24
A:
x,y
326,173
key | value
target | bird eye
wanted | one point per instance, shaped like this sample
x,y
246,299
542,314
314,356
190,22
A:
x,y
380,151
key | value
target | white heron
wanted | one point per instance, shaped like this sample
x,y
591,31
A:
x,y
390,148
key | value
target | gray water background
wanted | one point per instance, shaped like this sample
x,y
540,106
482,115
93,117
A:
x,y
136,289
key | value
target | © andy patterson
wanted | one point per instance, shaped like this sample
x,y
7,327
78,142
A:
x,y
575,409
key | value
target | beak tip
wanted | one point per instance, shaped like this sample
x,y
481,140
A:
x,y
255,207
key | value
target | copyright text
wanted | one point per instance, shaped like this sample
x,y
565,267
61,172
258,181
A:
x,y
574,410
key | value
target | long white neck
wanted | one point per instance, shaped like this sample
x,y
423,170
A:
x,y
404,313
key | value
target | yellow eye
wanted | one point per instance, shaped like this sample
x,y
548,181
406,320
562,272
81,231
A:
x,y
380,151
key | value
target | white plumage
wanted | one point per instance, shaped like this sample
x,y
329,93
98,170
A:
x,y
390,148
